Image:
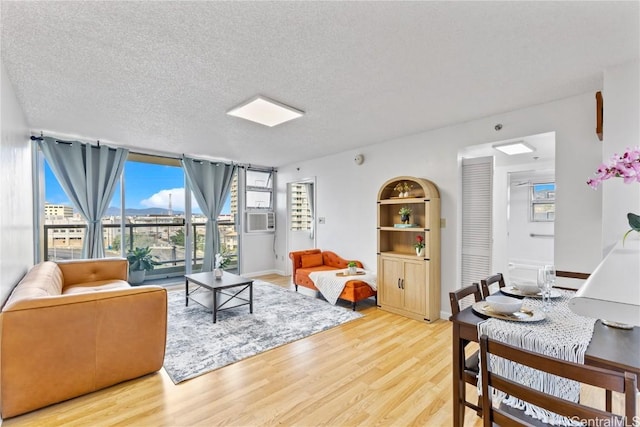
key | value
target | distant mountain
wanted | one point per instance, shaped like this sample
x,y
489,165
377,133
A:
x,y
114,211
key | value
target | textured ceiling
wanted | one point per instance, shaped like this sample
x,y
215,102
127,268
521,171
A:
x,y
161,75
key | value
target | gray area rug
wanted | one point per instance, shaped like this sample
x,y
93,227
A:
x,y
195,345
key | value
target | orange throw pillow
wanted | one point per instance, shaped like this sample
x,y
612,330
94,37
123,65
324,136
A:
x,y
312,260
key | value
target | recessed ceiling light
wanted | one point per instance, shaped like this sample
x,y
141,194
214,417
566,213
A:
x,y
265,111
518,147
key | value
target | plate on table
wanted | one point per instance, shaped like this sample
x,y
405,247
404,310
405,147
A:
x,y
515,292
523,315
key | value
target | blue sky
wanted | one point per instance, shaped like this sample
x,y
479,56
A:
x,y
146,185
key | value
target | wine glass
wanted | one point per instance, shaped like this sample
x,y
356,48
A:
x,y
549,273
541,279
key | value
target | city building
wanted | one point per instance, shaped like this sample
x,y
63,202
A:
x,y
57,211
300,215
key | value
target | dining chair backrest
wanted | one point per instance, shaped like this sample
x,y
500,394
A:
x,y
625,383
471,365
486,283
456,297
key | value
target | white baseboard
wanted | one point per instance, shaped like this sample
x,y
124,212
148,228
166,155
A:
x,y
264,272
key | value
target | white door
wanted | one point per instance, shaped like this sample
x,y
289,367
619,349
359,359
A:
x,y
301,223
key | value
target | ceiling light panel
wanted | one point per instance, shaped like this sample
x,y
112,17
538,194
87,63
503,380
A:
x,y
265,111
512,148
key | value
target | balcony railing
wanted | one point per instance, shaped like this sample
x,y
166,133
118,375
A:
x,y
166,240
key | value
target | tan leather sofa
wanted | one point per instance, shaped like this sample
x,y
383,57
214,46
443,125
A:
x,y
74,327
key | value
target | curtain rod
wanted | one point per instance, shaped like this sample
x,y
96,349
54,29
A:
x,y
166,156
41,138
240,165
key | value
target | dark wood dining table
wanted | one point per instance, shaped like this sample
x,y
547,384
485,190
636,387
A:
x,y
609,348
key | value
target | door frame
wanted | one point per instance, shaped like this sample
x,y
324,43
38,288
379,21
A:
x,y
314,223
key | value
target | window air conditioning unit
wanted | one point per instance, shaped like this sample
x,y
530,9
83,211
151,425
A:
x,y
261,222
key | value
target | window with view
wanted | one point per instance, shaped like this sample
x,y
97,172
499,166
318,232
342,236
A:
x,y
64,228
259,189
543,202
154,215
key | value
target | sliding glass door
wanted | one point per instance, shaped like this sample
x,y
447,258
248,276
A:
x,y
154,212
149,209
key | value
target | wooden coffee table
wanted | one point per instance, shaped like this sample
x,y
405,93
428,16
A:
x,y
219,294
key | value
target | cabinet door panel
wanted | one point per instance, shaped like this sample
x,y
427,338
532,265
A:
x,y
414,287
390,274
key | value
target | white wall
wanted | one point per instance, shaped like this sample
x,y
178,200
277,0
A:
x,y
257,253
347,193
621,129
16,205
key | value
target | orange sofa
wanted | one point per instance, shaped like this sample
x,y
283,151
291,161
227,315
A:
x,y
307,261
71,328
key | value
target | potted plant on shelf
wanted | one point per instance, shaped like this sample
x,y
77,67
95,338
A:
x,y
403,189
352,267
405,214
140,261
419,245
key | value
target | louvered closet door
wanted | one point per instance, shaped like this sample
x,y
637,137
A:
x,y
477,201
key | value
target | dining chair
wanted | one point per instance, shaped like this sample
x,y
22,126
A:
x,y
503,415
486,283
471,366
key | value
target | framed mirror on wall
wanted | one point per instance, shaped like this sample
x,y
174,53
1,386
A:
x,y
522,201
531,223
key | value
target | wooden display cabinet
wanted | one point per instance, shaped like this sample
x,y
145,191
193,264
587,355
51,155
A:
x,y
409,284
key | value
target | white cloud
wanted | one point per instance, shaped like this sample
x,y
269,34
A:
x,y
161,200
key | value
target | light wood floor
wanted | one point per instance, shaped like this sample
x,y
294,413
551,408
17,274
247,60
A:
x,y
381,369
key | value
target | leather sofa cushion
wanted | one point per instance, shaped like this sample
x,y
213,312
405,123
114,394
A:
x,y
100,285
312,260
42,280
75,272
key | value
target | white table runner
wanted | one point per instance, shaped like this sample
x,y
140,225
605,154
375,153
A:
x,y
331,286
563,335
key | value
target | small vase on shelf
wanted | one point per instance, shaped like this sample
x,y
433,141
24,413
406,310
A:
x,y
419,245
